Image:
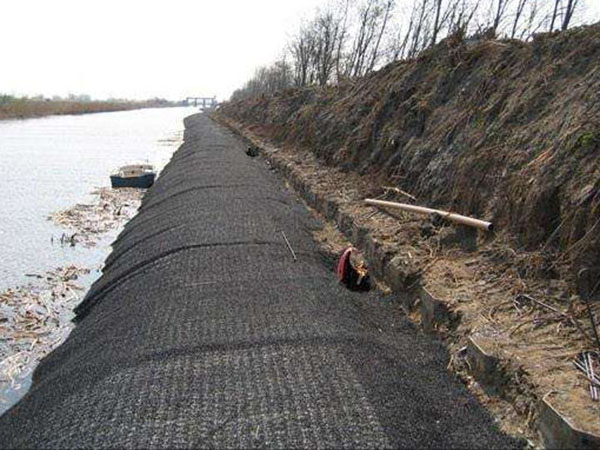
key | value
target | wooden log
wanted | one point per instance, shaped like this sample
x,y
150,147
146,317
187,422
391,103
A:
x,y
457,218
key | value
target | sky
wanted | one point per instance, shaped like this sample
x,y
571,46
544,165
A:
x,y
142,49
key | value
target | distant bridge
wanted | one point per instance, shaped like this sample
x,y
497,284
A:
x,y
203,102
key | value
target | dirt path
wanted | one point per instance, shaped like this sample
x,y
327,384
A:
x,y
204,331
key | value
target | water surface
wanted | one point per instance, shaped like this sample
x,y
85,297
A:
x,y
52,163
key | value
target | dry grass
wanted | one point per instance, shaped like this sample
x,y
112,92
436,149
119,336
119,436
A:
x,y
489,288
503,131
23,108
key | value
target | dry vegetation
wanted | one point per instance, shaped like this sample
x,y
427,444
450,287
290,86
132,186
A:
x,y
22,108
34,320
503,130
346,39
110,210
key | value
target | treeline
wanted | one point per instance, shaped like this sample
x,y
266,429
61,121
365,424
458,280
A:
x,y
12,107
78,98
350,38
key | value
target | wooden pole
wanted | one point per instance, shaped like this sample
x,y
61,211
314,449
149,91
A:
x,y
464,220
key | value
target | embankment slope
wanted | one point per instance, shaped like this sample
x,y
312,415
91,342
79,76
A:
x,y
204,332
502,130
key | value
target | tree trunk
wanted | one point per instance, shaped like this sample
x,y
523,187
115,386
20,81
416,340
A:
x,y
554,14
436,22
571,5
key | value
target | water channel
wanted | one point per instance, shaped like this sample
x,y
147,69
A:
x,y
50,164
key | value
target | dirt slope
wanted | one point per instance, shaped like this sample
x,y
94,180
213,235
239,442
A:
x,y
502,130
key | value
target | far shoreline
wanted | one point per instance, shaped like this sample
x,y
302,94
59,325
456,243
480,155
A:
x,y
22,108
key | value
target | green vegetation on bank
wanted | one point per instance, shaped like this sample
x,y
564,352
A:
x,y
23,107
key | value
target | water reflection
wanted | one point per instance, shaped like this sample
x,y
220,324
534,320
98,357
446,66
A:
x,y
51,164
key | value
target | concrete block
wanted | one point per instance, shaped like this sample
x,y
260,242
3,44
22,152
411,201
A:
x,y
483,365
434,312
558,433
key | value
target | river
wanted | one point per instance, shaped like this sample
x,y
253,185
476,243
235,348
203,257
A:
x,y
52,163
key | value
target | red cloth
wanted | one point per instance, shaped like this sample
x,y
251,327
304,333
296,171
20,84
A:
x,y
343,263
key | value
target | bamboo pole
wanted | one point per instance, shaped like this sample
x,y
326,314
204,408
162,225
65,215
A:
x,y
464,220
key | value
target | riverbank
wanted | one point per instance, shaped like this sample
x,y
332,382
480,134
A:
x,y
509,339
498,130
205,318
25,108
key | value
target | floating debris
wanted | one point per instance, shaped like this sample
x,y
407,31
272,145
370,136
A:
x,y
111,209
35,319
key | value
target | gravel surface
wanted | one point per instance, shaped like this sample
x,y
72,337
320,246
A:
x,y
204,332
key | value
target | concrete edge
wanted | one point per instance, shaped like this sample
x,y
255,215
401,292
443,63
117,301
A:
x,y
559,432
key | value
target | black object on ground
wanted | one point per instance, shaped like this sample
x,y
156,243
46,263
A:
x,y
252,151
203,332
353,274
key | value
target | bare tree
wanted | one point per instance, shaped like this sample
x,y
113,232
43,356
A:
x,y
533,24
499,14
343,10
375,52
373,19
267,80
461,15
420,12
568,13
348,38
437,25
451,15
302,49
361,41
399,44
555,13
329,33
518,13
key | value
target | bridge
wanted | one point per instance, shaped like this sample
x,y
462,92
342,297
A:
x,y
203,102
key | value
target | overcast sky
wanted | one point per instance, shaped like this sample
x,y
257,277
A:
x,y
141,49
